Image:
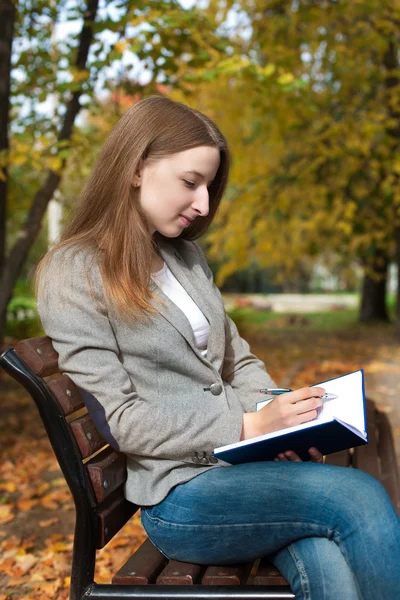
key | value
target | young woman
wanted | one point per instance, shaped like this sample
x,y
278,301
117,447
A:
x,y
129,302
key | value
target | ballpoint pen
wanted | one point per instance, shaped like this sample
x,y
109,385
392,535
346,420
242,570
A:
x,y
279,391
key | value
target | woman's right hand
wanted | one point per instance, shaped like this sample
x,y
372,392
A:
x,y
286,410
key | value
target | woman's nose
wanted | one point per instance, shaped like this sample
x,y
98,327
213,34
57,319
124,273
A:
x,y
202,204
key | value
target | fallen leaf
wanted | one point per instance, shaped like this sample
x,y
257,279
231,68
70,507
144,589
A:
x,y
59,547
49,522
16,581
25,505
8,487
25,563
6,514
59,482
47,587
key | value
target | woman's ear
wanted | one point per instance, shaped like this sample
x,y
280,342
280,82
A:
x,y
137,180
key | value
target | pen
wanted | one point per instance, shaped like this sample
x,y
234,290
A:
x,y
275,391
279,391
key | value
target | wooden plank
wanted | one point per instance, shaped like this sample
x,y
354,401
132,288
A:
x,y
142,567
340,459
267,574
390,476
366,457
227,574
67,394
111,517
39,354
107,472
180,573
87,437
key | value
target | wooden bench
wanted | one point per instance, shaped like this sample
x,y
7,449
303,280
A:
x,y
96,474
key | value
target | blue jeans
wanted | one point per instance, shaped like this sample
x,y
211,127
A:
x,y
331,531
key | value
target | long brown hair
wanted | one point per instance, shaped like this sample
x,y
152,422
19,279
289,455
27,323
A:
x,y
107,219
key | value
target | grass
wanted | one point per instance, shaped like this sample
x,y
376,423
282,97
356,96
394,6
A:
x,y
336,320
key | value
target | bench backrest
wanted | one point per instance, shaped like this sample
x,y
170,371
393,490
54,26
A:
x,y
95,473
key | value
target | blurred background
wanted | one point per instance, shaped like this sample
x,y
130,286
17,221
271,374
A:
x,y
305,246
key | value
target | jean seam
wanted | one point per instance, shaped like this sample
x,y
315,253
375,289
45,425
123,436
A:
x,y
163,522
304,581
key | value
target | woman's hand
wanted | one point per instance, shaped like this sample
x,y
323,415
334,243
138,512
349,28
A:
x,y
286,410
289,455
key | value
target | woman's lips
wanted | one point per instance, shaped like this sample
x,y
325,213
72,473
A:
x,y
184,220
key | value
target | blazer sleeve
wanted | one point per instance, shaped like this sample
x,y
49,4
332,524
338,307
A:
x,y
241,369
74,313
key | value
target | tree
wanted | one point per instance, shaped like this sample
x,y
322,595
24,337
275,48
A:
x,y
53,77
322,163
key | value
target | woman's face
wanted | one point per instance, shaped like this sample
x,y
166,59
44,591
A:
x,y
174,190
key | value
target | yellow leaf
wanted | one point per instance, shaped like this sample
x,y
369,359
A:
x,y
54,163
268,70
120,47
8,487
285,79
19,159
5,513
59,482
80,75
59,547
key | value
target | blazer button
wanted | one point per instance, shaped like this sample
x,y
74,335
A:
x,y
213,460
216,389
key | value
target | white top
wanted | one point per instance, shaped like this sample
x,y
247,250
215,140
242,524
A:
x,y
174,290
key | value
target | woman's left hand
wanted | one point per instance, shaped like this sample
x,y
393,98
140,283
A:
x,y
289,455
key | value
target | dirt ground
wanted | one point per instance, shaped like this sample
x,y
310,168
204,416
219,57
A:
x,y
36,509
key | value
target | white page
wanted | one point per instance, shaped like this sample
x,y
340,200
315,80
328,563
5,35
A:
x,y
347,407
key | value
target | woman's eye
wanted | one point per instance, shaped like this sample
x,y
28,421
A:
x,y
189,184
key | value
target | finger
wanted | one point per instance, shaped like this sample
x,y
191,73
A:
x,y
312,404
305,393
315,455
292,456
282,457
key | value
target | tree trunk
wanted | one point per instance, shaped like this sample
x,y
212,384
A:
x,y
7,19
373,301
18,254
397,238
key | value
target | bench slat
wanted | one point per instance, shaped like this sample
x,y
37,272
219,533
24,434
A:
x,y
112,517
339,459
142,568
366,457
180,573
39,354
267,574
390,475
67,394
88,438
107,472
227,574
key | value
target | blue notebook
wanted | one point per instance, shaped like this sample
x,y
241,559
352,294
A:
x,y
341,423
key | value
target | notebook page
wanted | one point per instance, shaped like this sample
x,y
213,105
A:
x,y
348,406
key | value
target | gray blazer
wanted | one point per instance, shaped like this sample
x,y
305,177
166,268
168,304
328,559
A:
x,y
151,393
